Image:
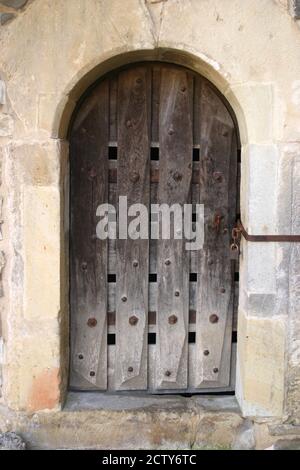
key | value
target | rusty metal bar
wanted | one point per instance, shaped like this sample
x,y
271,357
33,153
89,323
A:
x,y
266,238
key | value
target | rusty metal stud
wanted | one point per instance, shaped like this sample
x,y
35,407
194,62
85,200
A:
x,y
177,293
222,290
171,131
124,298
80,356
214,318
206,352
167,373
135,264
217,176
217,221
92,173
129,123
84,266
92,373
134,177
130,369
167,262
215,370
177,176
172,319
92,322
133,320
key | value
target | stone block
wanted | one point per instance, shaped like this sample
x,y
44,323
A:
x,y
287,444
259,196
258,267
11,441
256,100
2,93
32,368
6,125
41,216
245,437
295,8
6,17
37,164
260,365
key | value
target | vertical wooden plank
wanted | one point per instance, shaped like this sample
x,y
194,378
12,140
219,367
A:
x,y
197,111
89,188
134,101
175,138
113,98
156,70
215,277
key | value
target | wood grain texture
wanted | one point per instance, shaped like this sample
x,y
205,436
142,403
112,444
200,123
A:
x,y
176,139
132,256
182,116
89,188
215,277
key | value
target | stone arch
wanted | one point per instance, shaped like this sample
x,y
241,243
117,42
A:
x,y
88,75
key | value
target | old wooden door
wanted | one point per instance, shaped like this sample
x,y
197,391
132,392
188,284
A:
x,y
148,314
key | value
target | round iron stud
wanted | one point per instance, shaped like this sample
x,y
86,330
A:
x,y
214,318
172,319
133,320
92,322
134,177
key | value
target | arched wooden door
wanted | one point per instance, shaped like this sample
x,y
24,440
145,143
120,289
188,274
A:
x,y
148,314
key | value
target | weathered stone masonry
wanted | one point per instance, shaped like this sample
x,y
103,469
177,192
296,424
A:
x,y
51,52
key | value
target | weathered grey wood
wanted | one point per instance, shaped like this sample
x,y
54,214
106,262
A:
x,y
121,119
175,137
134,106
152,364
197,111
113,109
89,178
152,295
156,72
215,277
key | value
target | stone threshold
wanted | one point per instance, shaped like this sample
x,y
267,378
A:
x,y
125,401
91,420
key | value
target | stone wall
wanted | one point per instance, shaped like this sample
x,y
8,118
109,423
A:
x,y
51,51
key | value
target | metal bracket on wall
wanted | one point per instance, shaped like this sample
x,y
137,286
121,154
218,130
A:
x,y
239,230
